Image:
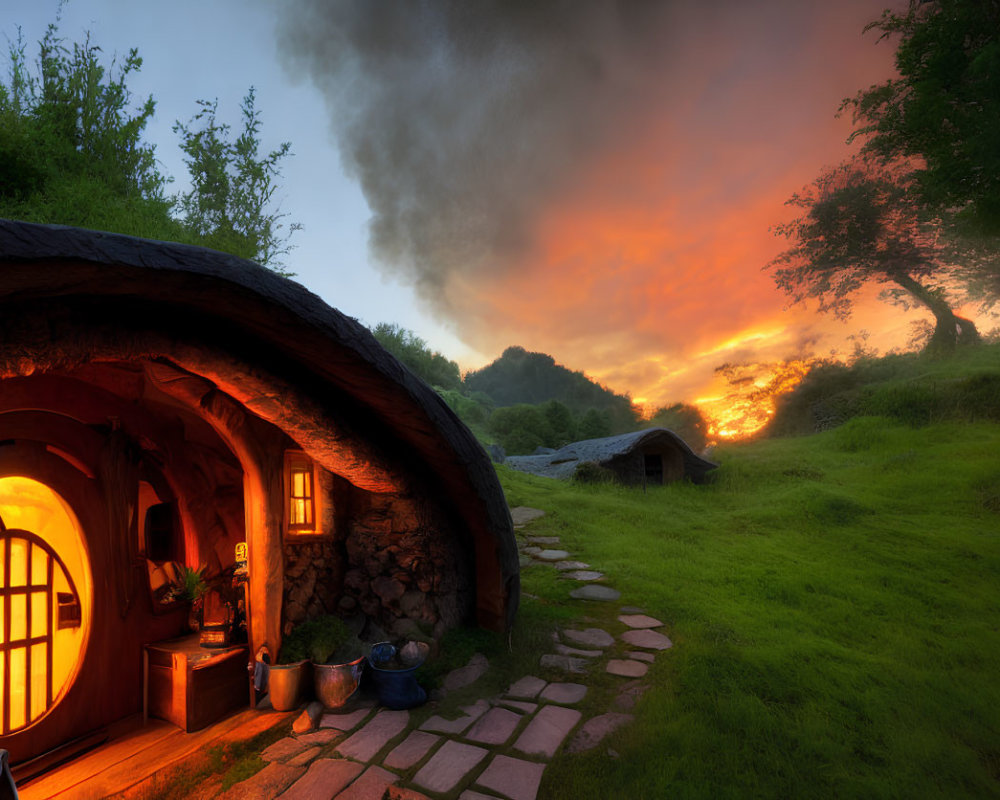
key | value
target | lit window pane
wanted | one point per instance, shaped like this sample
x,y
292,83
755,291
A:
x,y
298,483
39,614
39,566
18,678
39,665
18,562
3,562
18,617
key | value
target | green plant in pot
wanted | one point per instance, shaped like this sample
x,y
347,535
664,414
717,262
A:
x,y
192,590
288,677
338,659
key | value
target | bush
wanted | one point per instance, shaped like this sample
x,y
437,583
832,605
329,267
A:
x,y
592,472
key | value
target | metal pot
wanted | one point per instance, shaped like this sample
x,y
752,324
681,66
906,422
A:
x,y
287,685
335,683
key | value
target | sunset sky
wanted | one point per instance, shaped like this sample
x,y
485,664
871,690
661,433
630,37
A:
x,y
594,180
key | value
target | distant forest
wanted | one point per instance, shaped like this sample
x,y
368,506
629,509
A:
x,y
525,400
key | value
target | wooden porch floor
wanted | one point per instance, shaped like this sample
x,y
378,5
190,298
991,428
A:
x,y
131,764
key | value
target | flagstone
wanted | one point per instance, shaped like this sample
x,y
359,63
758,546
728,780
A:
x,y
438,724
531,550
565,693
401,793
269,782
563,650
448,766
640,621
584,575
344,722
512,777
562,566
543,539
371,785
527,687
376,734
303,758
595,729
283,749
495,727
651,640
324,778
593,591
547,730
590,637
469,674
571,664
524,514
627,668
469,794
552,555
520,706
639,655
320,737
413,748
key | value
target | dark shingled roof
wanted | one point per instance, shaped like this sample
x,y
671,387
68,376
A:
x,y
242,306
563,462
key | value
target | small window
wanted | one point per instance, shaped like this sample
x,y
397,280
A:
x,y
300,494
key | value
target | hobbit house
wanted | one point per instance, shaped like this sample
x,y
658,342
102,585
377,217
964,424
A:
x,y
160,406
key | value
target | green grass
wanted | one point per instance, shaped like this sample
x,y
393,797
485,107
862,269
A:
x,y
834,606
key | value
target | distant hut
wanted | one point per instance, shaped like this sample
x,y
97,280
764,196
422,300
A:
x,y
160,406
654,456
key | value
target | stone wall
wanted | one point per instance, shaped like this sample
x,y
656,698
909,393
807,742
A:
x,y
392,559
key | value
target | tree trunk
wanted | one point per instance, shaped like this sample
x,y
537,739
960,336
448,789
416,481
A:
x,y
950,329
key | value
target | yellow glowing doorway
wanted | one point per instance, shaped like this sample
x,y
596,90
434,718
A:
x,y
45,601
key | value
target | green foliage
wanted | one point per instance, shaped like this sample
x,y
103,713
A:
x,y
912,389
232,185
684,420
944,107
520,429
592,472
193,586
413,351
72,152
594,424
319,638
519,376
561,425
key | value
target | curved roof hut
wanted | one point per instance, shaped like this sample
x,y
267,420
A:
x,y
655,455
160,406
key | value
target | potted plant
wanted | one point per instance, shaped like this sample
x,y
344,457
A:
x,y
337,658
393,674
288,678
192,589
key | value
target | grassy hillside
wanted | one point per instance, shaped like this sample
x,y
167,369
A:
x,y
834,605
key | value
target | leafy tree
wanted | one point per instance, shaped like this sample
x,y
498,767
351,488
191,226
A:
x,y
71,148
413,351
562,426
594,424
945,105
72,151
684,420
862,224
229,205
520,429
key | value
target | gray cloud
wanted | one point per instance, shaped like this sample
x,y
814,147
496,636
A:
x,y
462,120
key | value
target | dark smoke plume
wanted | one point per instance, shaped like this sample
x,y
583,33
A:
x,y
463,118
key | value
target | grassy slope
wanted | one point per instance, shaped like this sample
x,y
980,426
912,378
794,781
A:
x,y
834,606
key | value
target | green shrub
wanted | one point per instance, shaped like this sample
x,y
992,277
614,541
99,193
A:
x,y
320,639
592,472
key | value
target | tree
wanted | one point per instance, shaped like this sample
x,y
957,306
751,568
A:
x,y
684,420
562,426
944,107
594,424
862,223
230,203
71,146
73,152
520,429
413,351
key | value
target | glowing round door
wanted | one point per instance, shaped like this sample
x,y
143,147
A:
x,y
45,601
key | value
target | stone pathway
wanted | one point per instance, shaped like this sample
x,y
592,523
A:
x,y
494,749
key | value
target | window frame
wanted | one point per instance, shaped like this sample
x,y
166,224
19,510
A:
x,y
295,461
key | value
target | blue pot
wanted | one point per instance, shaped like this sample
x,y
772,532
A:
x,y
397,688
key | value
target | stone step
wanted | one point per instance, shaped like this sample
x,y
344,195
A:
x,y
448,766
550,726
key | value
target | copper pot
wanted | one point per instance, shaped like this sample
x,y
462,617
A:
x,y
335,683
